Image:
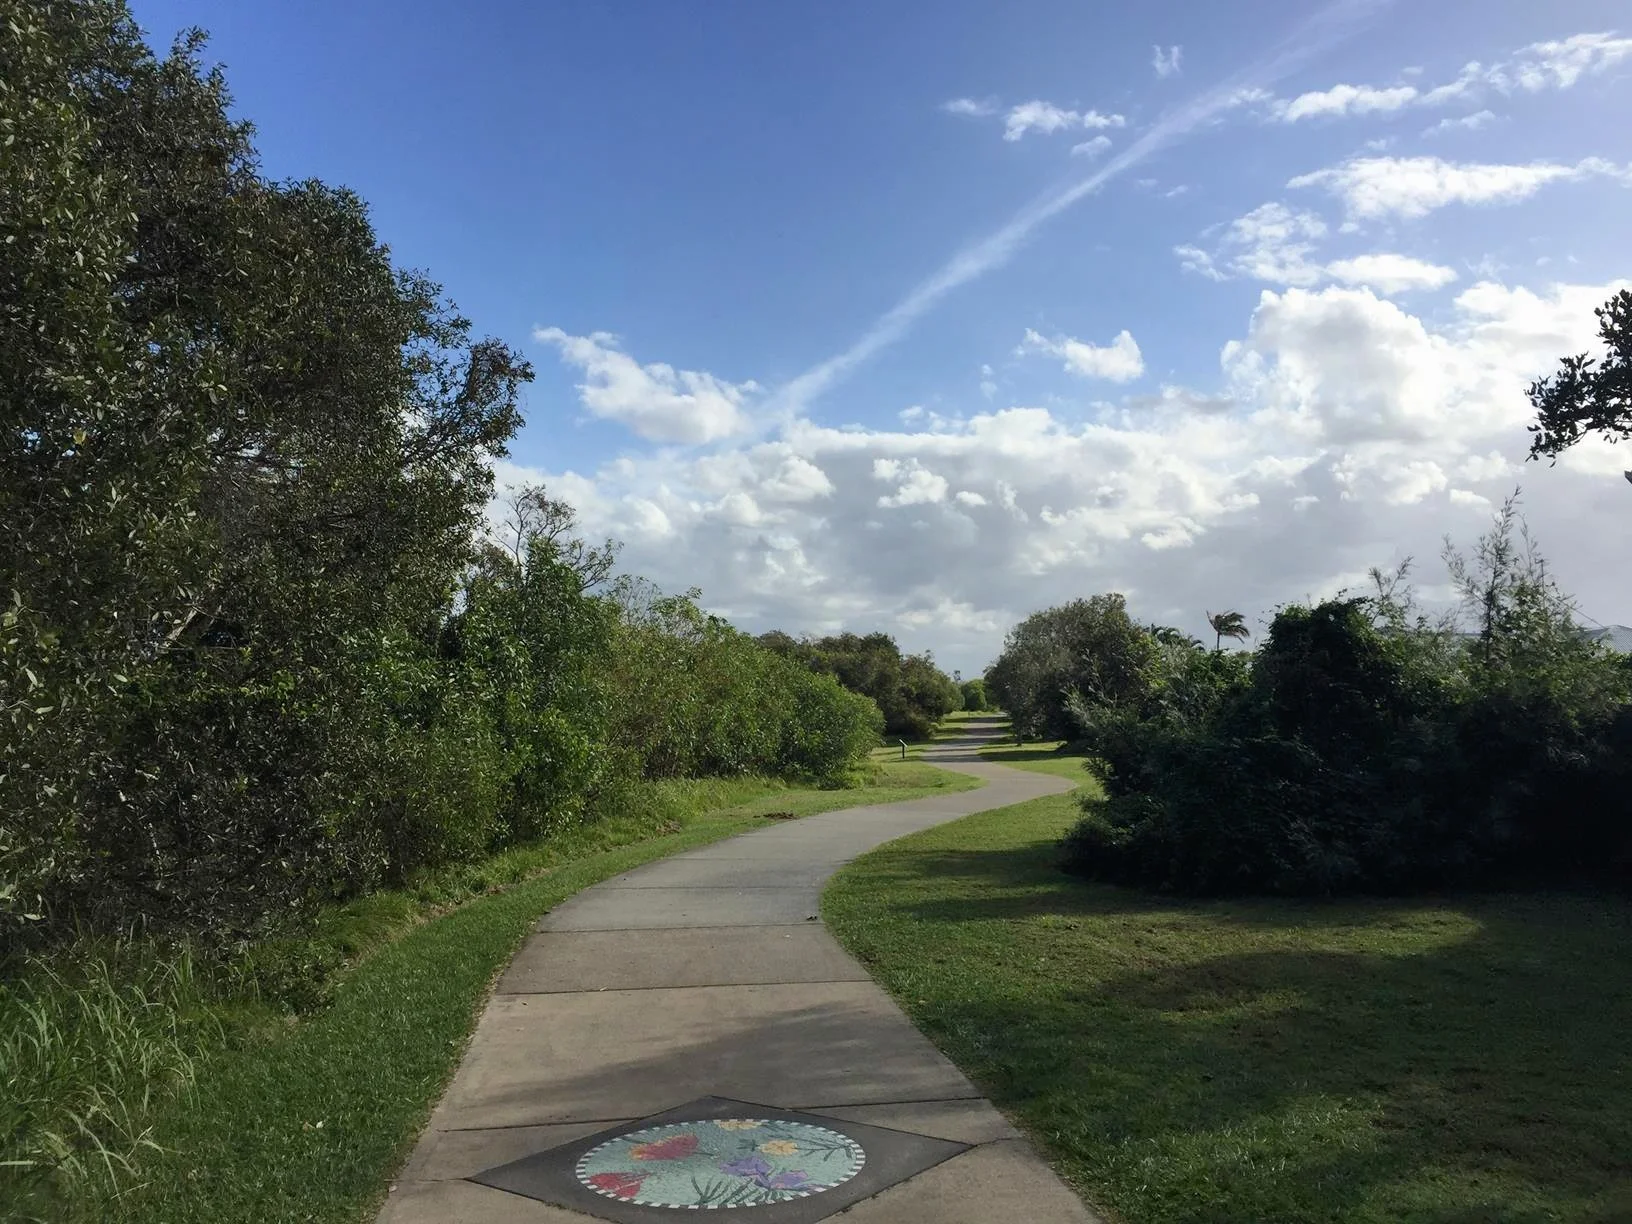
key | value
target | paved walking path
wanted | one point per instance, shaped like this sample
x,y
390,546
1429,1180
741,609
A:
x,y
709,974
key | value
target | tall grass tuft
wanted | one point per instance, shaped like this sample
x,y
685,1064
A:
x,y
89,1043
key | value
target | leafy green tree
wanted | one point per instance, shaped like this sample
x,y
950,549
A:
x,y
1086,652
255,651
244,460
974,695
1588,396
537,525
531,644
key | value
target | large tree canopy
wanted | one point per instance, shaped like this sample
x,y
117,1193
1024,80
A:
x,y
254,650
241,451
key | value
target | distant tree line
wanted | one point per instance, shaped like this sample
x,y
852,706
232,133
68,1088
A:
x,y
256,650
910,690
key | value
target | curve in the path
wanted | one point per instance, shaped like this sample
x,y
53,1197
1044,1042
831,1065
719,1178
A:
x,y
710,974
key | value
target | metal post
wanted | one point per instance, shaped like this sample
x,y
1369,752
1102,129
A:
x,y
903,744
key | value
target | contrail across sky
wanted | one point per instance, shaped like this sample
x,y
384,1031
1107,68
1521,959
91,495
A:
x,y
1311,38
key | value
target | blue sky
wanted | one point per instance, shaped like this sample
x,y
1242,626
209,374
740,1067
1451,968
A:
x,y
1278,333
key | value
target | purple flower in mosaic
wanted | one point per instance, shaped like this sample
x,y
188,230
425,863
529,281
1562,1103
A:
x,y
793,1179
754,1166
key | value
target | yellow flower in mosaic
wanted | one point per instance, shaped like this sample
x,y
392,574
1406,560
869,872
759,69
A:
x,y
736,1124
780,1147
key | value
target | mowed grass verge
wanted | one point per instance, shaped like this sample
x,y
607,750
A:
x,y
1458,1060
308,1120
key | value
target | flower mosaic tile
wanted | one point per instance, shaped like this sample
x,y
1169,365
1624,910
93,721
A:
x,y
771,1166
721,1162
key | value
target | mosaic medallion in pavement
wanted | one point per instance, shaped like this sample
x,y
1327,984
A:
x,y
773,1166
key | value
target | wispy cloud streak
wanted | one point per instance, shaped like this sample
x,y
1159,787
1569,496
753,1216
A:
x,y
1309,39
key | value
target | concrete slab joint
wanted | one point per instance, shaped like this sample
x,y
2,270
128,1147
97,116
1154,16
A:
x,y
695,990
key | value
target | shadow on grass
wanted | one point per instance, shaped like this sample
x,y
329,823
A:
x,y
1457,1060
971,733
1032,754
1026,881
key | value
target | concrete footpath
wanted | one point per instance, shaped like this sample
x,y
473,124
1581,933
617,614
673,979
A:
x,y
710,974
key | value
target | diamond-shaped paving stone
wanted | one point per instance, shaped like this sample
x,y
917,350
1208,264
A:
x,y
768,1166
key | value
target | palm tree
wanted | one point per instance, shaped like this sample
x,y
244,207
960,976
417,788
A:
x,y
1166,635
1228,625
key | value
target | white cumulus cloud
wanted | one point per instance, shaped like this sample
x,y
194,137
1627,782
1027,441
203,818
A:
x,y
796,480
974,108
1467,123
1271,243
1277,245
1345,100
1555,65
1390,273
1091,148
1561,63
656,401
1167,62
1118,361
1045,117
1411,187
916,485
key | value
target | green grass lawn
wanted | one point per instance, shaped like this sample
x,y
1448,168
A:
x,y
307,1119
1461,1060
1050,758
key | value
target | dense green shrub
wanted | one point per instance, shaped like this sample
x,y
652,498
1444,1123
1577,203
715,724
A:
x,y
829,730
974,695
911,692
1368,749
698,698
1089,651
1292,780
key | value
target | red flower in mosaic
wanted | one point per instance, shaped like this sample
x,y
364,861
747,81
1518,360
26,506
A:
x,y
619,1185
677,1148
